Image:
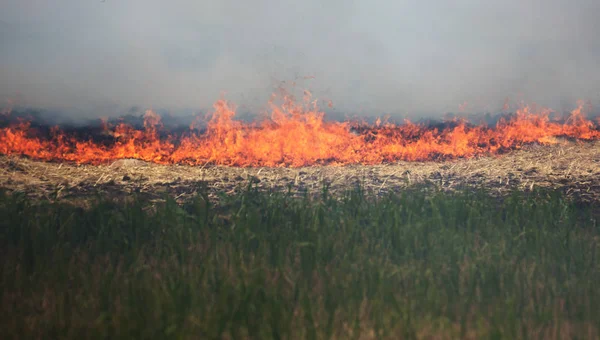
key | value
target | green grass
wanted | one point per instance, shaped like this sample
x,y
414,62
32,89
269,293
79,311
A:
x,y
266,265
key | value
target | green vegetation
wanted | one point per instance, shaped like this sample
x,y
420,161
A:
x,y
267,265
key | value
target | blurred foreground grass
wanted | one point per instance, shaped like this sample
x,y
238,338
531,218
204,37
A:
x,y
263,265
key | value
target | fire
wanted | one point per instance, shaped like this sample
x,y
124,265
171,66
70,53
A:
x,y
297,135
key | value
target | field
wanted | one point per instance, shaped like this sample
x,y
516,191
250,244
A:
x,y
492,247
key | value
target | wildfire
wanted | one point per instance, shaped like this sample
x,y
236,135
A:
x,y
296,135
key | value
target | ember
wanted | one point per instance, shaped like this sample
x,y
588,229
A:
x,y
296,135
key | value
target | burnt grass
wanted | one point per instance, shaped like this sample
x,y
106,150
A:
x,y
262,264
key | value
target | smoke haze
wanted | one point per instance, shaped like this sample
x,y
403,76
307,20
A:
x,y
372,57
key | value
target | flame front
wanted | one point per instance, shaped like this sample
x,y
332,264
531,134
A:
x,y
297,135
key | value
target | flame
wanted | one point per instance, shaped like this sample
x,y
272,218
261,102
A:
x,y
297,135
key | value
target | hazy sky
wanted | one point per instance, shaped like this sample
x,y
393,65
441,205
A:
x,y
366,56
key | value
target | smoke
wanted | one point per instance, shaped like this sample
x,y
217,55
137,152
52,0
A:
x,y
368,57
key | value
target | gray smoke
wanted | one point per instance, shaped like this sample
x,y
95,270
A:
x,y
369,57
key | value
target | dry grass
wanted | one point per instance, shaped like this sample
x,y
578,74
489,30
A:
x,y
573,167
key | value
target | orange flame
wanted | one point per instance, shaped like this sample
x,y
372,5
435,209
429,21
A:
x,y
297,135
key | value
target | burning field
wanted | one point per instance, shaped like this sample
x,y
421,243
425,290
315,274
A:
x,y
297,227
295,136
135,203
296,147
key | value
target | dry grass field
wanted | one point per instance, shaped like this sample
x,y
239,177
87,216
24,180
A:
x,y
572,167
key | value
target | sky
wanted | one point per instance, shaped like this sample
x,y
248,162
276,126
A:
x,y
367,57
